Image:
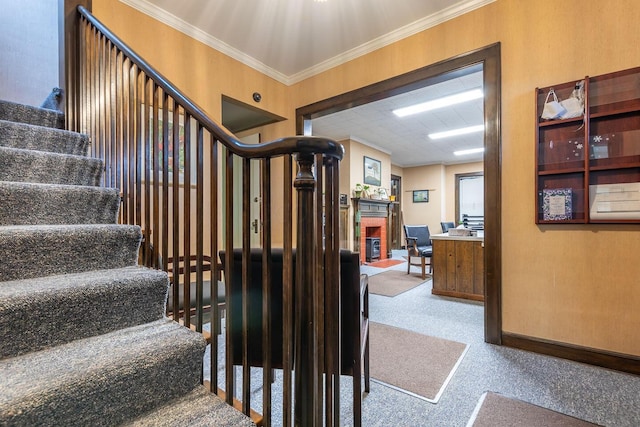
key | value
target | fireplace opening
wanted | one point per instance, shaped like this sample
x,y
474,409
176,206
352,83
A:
x,y
372,248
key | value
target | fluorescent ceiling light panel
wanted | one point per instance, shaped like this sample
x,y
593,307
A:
x,y
456,132
471,151
439,103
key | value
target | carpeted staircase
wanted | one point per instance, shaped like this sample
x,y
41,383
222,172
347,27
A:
x,y
83,337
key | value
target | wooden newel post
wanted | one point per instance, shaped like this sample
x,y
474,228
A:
x,y
305,350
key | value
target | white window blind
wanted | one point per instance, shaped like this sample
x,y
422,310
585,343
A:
x,y
471,196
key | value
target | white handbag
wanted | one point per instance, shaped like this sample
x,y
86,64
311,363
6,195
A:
x,y
552,108
575,103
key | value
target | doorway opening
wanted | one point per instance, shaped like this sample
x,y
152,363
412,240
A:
x,y
240,117
489,59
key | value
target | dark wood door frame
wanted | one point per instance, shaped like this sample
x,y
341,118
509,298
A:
x,y
396,220
487,58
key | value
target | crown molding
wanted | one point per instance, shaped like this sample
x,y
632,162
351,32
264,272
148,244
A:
x,y
460,8
197,34
370,144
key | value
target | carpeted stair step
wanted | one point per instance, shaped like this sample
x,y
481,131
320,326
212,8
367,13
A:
x,y
102,380
197,409
32,203
33,115
29,251
39,313
32,137
53,168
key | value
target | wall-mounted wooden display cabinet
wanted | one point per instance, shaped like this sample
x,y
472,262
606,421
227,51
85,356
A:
x,y
588,168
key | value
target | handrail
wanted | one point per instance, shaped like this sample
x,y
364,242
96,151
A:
x,y
196,200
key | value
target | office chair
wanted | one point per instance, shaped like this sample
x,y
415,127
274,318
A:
x,y
418,241
447,225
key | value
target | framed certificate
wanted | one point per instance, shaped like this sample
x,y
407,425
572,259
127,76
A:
x,y
556,204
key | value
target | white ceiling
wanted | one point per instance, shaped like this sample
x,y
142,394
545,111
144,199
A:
x,y
405,138
291,40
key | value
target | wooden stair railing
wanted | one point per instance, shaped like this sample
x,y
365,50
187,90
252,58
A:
x,y
175,169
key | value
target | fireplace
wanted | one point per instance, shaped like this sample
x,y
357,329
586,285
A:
x,y
371,219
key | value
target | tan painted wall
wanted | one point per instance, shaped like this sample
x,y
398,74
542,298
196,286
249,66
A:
x,y
201,72
450,186
430,178
440,180
573,284
396,170
346,186
357,151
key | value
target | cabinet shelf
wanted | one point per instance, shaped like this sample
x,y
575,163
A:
x,y
566,221
614,221
588,167
623,163
614,112
546,123
560,171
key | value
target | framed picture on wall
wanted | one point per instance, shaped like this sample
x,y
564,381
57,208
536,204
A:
x,y
175,143
420,196
372,171
175,148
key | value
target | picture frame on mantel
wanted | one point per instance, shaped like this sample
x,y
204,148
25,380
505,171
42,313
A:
x,y
420,196
372,171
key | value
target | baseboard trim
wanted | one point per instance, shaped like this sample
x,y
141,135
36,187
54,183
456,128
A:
x,y
456,294
605,359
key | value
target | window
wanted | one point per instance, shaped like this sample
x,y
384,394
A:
x,y
469,195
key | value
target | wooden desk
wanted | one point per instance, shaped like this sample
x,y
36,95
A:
x,y
458,266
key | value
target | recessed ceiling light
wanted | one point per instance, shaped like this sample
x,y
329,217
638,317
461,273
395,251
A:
x,y
471,151
456,132
439,103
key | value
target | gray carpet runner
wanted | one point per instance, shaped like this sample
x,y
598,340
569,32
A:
x,y
35,203
83,336
130,296
44,250
31,137
28,114
17,164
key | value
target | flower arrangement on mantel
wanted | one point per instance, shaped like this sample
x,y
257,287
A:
x,y
361,191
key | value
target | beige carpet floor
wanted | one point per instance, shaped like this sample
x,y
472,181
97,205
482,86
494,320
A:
x,y
496,410
393,282
416,364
